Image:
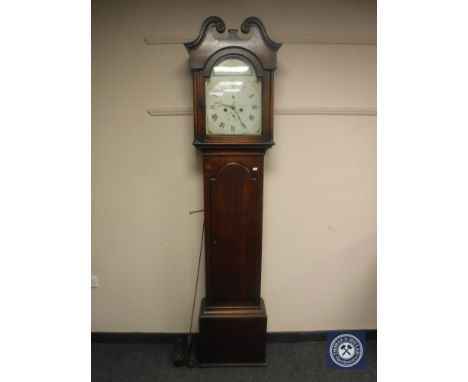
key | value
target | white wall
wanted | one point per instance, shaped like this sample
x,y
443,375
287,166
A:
x,y
319,241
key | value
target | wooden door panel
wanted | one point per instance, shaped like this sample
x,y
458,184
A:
x,y
235,231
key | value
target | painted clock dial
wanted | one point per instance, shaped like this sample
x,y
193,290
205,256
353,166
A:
x,y
233,99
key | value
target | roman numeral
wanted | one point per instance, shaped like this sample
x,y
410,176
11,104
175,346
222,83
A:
x,y
214,117
254,107
233,129
252,95
212,106
222,125
243,125
251,117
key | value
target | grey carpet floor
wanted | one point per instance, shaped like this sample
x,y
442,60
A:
x,y
288,362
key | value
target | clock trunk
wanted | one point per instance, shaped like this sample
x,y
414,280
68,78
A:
x,y
233,214
233,316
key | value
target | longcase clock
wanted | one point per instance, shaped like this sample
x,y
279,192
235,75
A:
x,y
233,127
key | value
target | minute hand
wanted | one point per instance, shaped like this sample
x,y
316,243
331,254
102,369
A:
x,y
238,116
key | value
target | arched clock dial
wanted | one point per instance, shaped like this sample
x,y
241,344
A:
x,y
233,99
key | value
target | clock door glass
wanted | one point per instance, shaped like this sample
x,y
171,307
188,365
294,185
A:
x,y
233,99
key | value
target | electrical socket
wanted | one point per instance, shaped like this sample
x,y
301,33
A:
x,y
94,282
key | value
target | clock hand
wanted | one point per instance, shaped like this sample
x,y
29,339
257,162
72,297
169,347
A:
x,y
223,104
233,115
240,120
238,116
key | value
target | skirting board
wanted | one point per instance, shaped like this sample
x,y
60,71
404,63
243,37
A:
x,y
135,338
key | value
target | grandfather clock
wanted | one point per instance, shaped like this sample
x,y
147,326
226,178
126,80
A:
x,y
233,123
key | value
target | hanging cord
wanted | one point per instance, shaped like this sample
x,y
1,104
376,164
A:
x,y
189,338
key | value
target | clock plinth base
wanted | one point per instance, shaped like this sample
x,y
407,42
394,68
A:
x,y
232,336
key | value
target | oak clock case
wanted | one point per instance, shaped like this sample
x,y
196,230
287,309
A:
x,y
233,127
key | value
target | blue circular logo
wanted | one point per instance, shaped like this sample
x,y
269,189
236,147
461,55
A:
x,y
346,350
